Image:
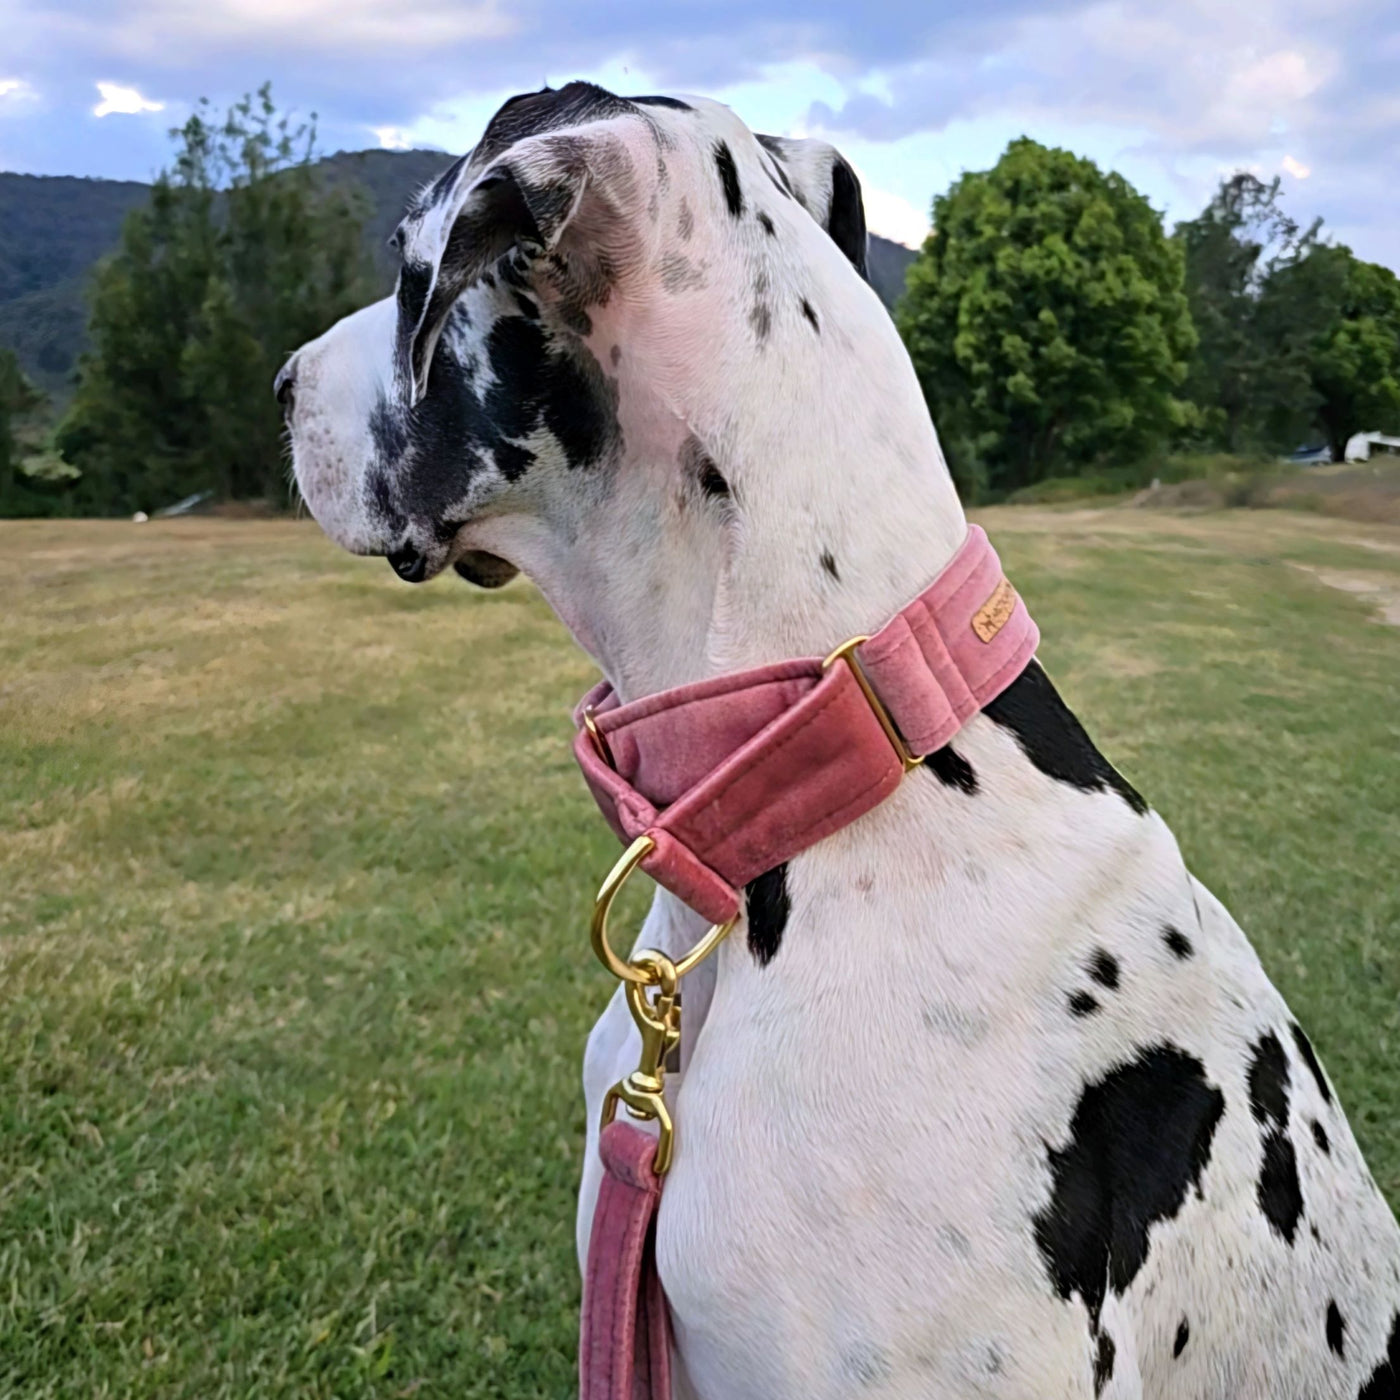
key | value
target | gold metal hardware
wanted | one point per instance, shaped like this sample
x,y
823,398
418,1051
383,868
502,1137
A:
x,y
847,652
600,744
643,1091
658,1020
634,971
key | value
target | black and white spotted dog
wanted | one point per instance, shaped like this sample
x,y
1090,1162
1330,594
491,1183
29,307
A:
x,y
987,1096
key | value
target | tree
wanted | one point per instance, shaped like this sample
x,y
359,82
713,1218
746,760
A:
x,y
18,398
1354,364
1046,319
1257,303
241,255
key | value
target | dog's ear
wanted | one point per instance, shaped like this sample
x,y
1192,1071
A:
x,y
845,213
822,181
463,225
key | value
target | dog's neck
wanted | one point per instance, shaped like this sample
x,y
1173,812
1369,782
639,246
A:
x,y
839,506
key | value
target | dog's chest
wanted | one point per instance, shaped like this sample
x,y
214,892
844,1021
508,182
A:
x,y
863,1128
1007,1112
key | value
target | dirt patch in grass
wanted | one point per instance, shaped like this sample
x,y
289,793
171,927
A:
x,y
1380,590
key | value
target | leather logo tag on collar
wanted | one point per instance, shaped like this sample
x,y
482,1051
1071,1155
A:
x,y
994,614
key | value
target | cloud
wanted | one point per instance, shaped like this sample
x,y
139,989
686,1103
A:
x,y
123,101
892,216
392,138
16,90
1296,168
1168,92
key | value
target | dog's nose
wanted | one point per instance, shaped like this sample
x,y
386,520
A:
x,y
409,564
284,386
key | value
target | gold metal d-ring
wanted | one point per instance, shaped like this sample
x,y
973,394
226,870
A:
x,y
597,738
847,652
643,971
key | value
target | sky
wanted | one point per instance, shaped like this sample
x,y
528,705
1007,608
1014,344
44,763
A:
x,y
1173,96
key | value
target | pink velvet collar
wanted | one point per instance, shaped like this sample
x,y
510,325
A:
x,y
731,777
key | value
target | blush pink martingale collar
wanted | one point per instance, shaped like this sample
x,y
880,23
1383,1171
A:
x,y
715,784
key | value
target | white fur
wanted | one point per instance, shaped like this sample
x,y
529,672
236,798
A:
x,y
863,1125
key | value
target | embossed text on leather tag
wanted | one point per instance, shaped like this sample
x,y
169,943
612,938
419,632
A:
x,y
992,616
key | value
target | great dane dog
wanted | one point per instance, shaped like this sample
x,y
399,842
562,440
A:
x,y
986,1095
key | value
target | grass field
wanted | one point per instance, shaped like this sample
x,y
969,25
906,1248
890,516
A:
x,y
294,867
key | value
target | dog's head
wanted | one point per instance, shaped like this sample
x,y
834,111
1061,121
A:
x,y
590,244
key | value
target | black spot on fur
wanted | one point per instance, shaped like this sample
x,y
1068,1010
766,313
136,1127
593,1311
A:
x,y
1183,1335
1140,1137
1177,942
1055,742
829,564
1083,1004
685,220
527,307
761,319
679,274
952,769
674,103
1336,1329
1280,1193
810,315
699,464
615,355
712,483
768,913
513,460
1310,1059
1320,1136
766,224
1268,1083
1103,1363
729,178
1385,1379
1103,968
388,427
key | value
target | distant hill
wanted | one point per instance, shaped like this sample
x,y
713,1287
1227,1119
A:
x,y
887,263
53,228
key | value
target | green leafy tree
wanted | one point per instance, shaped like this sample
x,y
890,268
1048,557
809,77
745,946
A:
x,y
1258,300
1354,362
241,255
1046,320
18,399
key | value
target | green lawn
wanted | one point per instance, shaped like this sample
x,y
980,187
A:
x,y
294,869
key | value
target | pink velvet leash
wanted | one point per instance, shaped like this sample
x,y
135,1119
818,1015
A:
x,y
625,1335
730,777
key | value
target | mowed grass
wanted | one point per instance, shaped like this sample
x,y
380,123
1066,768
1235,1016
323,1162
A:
x,y
294,873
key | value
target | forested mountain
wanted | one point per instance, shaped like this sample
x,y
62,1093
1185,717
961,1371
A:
x,y
54,228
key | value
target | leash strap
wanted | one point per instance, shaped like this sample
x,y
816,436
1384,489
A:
x,y
625,1331
732,776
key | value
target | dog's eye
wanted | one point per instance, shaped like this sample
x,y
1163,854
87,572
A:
x,y
396,240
